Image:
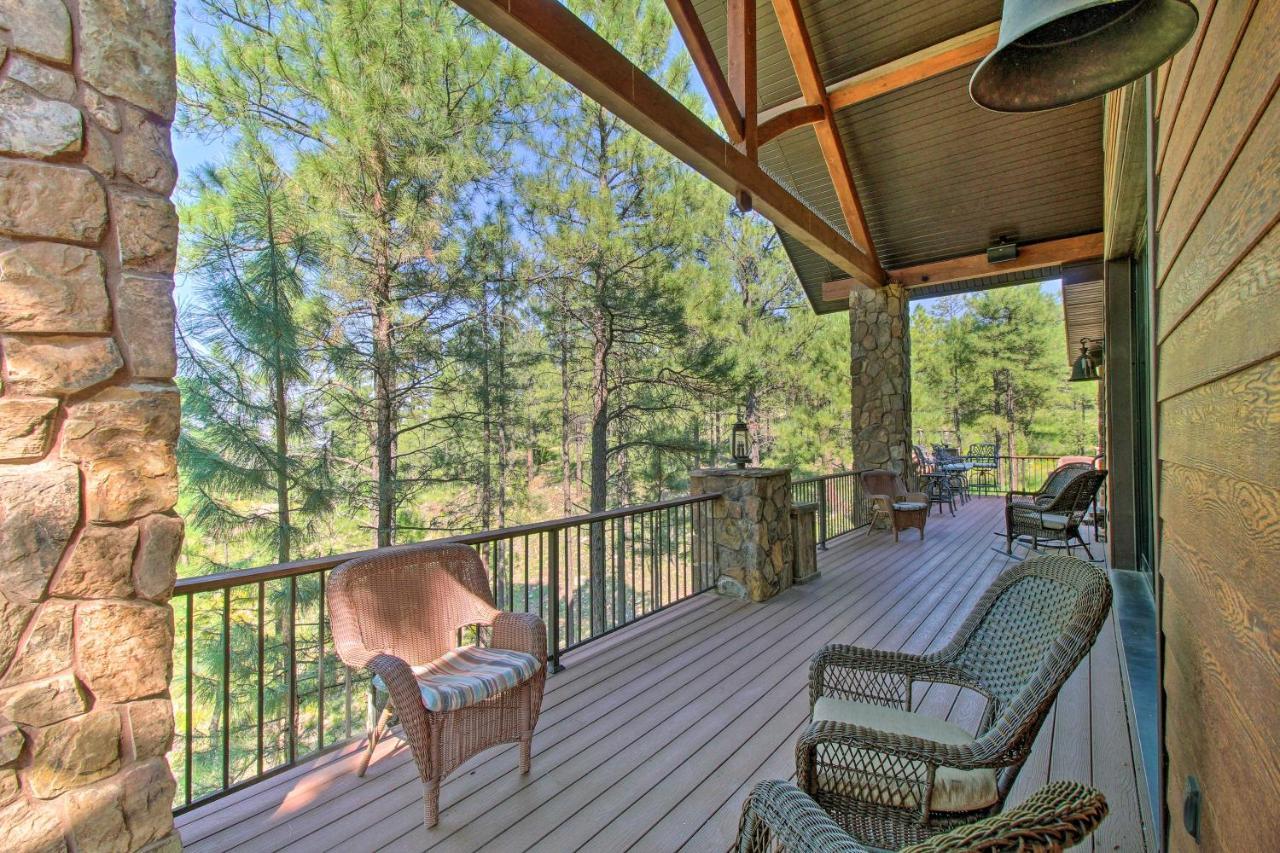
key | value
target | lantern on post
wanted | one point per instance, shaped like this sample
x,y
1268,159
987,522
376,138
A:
x,y
741,450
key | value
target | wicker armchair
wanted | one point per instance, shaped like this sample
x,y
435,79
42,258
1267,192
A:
x,y
889,500
399,613
778,816
891,777
1046,493
1057,520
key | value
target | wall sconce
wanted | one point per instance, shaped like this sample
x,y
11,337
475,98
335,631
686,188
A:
x,y
741,450
1085,367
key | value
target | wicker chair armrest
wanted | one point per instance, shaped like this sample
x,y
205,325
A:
x,y
521,632
1008,496
1058,816
872,675
779,816
927,752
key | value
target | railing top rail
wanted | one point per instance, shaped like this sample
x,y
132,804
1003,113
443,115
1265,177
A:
x,y
821,477
276,571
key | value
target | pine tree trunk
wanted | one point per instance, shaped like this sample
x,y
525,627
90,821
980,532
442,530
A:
x,y
599,452
384,418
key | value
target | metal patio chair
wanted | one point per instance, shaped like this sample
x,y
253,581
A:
x,y
1058,520
891,777
399,613
778,816
955,466
984,462
932,481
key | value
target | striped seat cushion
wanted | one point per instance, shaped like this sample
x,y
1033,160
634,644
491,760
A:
x,y
468,676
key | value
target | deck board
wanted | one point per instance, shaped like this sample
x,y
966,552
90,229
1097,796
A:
x,y
650,739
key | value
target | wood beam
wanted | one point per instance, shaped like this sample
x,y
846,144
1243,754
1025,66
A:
x,y
742,70
936,59
1068,250
553,36
800,48
704,60
789,120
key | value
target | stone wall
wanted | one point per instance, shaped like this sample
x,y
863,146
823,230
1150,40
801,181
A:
x,y
880,373
750,529
88,424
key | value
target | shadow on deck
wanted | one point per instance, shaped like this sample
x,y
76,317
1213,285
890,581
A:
x,y
650,739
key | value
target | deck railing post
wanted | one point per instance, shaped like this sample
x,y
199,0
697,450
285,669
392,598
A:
x,y
553,562
822,513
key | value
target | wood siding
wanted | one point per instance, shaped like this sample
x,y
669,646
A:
x,y
1217,329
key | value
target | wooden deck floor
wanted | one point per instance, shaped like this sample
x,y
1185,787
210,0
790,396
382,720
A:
x,y
649,740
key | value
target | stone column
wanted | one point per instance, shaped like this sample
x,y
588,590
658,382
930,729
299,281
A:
x,y
751,529
88,424
880,373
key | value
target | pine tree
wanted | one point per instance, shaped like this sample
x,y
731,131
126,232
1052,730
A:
x,y
249,429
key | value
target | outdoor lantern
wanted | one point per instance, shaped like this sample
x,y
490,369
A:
x,y
1052,53
741,444
1085,366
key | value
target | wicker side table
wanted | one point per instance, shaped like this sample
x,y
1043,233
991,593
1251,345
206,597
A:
x,y
909,514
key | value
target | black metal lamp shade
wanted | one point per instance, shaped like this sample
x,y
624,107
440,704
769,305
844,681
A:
x,y
741,445
1053,53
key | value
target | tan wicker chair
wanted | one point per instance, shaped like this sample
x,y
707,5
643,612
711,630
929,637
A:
x,y
891,777
883,490
405,607
778,817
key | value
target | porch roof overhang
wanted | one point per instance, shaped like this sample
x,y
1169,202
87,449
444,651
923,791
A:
x,y
850,127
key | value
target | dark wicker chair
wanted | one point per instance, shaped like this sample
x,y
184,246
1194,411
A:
x,y
778,816
1057,520
1046,493
891,777
399,613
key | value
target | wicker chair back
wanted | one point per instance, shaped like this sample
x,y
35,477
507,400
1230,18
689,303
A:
x,y
1078,492
882,482
409,601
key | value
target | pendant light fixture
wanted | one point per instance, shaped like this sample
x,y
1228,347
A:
x,y
1052,53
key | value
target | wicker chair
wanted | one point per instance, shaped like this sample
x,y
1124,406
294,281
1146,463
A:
x,y
1059,519
889,500
891,777
778,816
1046,493
399,613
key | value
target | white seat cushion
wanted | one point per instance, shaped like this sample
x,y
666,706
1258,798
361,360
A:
x,y
1049,520
954,790
468,676
908,506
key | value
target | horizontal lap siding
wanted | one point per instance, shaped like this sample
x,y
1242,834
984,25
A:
x,y
1218,390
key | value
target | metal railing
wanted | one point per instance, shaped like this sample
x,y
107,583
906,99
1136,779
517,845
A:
x,y
258,686
841,507
1012,473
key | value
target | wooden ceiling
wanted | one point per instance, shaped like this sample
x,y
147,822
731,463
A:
x,y
849,126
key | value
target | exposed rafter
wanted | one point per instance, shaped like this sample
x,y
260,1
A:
x,y
704,60
554,36
1047,253
800,47
742,70
914,67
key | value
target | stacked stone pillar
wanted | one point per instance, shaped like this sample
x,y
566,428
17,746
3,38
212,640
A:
x,y
880,373
88,424
750,529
